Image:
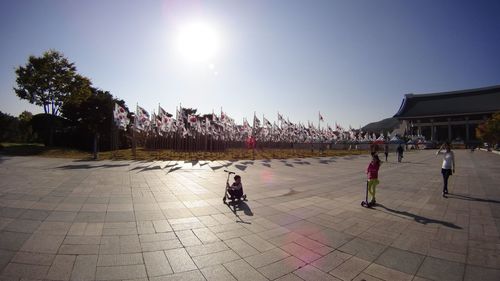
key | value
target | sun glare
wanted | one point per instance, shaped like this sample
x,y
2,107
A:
x,y
197,42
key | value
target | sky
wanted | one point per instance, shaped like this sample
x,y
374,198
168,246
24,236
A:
x,y
353,61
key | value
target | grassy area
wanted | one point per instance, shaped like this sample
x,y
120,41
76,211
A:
x,y
13,149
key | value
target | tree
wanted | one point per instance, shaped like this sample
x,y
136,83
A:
x,y
49,81
489,131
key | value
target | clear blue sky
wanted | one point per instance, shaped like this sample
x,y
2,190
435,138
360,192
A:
x,y
351,60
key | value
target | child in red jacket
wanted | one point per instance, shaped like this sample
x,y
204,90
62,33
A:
x,y
372,172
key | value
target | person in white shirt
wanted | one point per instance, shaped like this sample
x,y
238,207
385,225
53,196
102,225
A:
x,y
448,166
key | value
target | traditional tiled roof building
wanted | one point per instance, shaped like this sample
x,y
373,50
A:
x,y
449,116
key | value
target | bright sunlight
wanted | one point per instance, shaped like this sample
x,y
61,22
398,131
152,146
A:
x,y
198,42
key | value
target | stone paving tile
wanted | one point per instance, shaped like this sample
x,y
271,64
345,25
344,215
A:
x,y
33,258
54,228
61,267
300,252
289,277
481,273
180,260
154,237
331,238
350,268
5,257
266,258
205,235
37,215
386,273
365,277
157,263
331,261
43,243
97,217
311,273
240,247
25,226
161,245
258,243
363,249
215,258
121,272
194,275
25,270
242,271
188,238
207,249
84,249
185,223
217,273
280,268
438,269
61,216
120,259
12,240
84,268
400,260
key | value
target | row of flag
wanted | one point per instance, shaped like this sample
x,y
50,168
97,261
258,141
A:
x,y
224,127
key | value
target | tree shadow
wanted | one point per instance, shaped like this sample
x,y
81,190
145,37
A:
x,y
266,164
174,169
247,163
420,219
240,167
87,166
468,198
157,167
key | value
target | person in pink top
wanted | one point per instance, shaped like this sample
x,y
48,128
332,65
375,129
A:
x,y
372,172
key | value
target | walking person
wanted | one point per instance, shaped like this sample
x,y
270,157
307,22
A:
x,y
372,172
400,150
386,151
448,166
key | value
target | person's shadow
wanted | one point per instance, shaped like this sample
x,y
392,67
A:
x,y
468,198
420,219
240,206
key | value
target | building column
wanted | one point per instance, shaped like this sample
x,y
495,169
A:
x,y
467,138
449,129
432,130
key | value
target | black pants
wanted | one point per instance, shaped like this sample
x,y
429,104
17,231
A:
x,y
446,174
236,193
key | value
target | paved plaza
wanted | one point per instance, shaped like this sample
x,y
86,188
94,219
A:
x,y
66,219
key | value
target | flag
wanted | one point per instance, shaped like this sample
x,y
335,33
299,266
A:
x,y
266,122
142,117
256,122
120,117
280,117
192,119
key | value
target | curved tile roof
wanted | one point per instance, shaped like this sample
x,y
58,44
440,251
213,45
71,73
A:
x,y
472,101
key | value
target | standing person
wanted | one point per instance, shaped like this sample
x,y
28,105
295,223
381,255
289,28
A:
x,y
372,172
400,152
448,166
386,151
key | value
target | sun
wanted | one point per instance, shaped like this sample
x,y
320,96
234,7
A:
x,y
197,42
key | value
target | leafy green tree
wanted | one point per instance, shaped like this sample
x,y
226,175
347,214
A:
x,y
489,131
49,81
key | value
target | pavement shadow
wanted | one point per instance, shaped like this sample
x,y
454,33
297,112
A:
x,y
468,198
87,166
419,219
